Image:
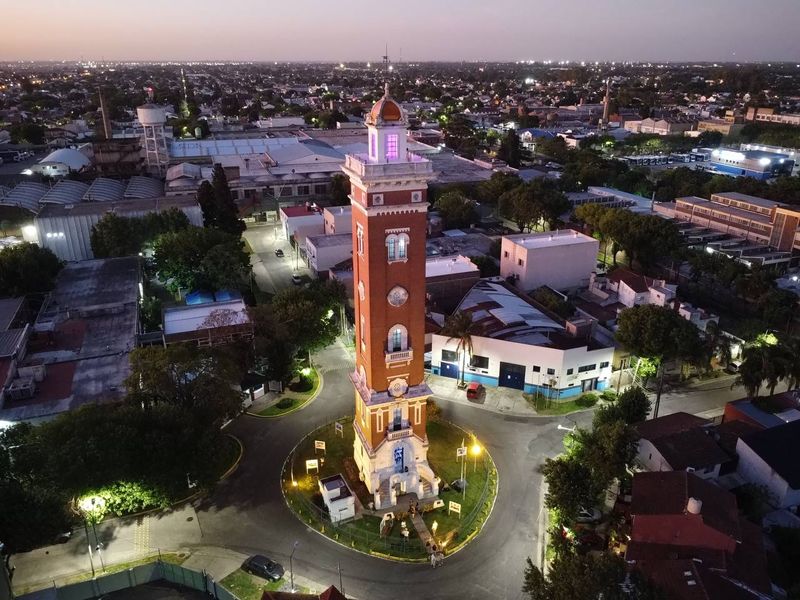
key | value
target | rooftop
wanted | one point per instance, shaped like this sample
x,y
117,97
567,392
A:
x,y
130,206
779,447
184,319
327,241
449,265
9,309
669,425
561,237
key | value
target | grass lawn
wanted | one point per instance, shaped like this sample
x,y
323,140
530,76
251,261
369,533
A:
x,y
228,454
552,407
249,587
364,533
291,400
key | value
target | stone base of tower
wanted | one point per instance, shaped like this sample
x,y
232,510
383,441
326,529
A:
x,y
397,466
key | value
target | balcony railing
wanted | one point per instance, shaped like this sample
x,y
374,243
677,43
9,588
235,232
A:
x,y
396,433
400,356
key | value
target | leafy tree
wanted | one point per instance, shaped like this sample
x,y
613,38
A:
x,y
456,210
180,256
555,148
570,486
631,406
486,264
510,150
126,236
27,269
196,380
658,333
518,206
340,190
577,577
27,133
309,314
216,202
608,450
460,327
499,183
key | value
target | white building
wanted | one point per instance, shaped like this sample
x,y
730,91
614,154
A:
x,y
520,347
339,500
61,163
633,289
560,259
324,252
769,458
300,222
338,219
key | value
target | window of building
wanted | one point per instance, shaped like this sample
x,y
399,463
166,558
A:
x,y
320,189
603,364
402,245
373,145
479,362
537,369
520,262
379,420
391,147
391,247
398,338
360,240
417,414
586,368
551,371
302,190
449,356
362,329
505,254
569,371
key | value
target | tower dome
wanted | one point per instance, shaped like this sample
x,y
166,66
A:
x,y
386,110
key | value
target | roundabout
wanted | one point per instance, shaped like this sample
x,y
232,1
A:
x,y
413,528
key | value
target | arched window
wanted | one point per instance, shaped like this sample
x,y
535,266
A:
x,y
391,247
402,246
398,338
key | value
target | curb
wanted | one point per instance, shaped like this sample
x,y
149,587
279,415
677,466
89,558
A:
x,y
464,543
305,403
514,414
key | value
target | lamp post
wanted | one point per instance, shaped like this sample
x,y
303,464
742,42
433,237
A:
x,y
92,508
291,566
476,452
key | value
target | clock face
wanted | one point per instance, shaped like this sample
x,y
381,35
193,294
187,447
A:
x,y
398,387
397,296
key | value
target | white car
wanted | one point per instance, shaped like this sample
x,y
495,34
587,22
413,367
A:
x,y
588,515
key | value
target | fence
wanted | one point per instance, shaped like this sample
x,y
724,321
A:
x,y
355,533
132,577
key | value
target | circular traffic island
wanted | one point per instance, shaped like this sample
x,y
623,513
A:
x,y
322,463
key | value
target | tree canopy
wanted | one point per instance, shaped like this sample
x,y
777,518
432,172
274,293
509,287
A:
x,y
27,269
534,202
126,236
216,202
199,257
456,210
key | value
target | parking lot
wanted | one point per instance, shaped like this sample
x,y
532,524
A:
x,y
272,273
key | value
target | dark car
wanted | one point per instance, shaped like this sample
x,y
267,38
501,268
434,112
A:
x,y
279,253
263,567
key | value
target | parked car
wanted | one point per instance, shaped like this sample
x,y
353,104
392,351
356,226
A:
x,y
262,566
296,279
733,366
588,515
475,391
278,252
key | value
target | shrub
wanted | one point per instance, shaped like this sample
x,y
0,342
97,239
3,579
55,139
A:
x,y
587,400
285,403
609,395
303,384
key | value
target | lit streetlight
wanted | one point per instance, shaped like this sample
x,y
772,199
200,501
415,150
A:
x,y
476,452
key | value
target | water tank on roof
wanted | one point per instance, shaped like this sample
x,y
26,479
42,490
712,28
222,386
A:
x,y
694,506
151,114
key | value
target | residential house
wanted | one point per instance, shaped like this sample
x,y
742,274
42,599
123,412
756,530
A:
x,y
768,458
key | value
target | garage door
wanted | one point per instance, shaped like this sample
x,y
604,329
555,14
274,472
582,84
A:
x,y
448,370
512,375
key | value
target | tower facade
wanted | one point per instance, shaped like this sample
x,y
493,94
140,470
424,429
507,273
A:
x,y
388,194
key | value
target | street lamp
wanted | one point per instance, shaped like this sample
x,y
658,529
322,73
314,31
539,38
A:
x,y
291,567
92,509
476,452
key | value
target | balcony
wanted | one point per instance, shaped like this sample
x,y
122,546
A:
x,y
414,165
403,431
399,356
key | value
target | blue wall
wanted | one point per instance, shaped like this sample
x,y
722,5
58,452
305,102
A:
x,y
734,170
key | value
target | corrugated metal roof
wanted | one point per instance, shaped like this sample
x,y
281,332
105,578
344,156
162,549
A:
x,y
65,192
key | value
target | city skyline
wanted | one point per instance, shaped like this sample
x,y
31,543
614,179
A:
x,y
507,30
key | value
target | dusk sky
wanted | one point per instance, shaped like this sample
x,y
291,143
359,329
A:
x,y
267,30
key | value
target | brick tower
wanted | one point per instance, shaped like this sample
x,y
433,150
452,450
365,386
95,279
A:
x,y
388,194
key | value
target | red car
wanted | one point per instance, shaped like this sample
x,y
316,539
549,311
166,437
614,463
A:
x,y
475,391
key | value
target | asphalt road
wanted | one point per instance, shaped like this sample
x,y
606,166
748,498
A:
x,y
247,512
272,273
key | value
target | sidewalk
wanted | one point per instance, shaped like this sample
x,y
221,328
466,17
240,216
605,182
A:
x,y
502,400
124,540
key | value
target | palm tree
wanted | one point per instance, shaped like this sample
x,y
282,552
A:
x,y
716,345
791,348
459,326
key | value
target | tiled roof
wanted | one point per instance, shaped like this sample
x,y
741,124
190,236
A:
x,y
694,448
668,425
